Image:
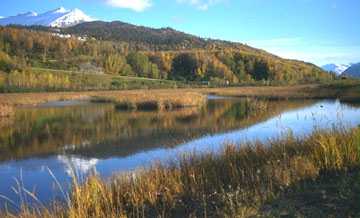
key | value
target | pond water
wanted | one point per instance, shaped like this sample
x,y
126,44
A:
x,y
87,138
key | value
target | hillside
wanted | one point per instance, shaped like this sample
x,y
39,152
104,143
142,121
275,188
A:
x,y
119,48
353,71
143,38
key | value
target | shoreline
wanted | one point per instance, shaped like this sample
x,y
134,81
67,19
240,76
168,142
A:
x,y
347,91
248,180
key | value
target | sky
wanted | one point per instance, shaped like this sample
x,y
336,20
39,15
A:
x,y
317,31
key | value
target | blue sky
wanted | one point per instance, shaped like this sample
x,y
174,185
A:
x,y
318,31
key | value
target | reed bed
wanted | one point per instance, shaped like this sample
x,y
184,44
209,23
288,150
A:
x,y
344,90
6,110
139,98
238,182
148,101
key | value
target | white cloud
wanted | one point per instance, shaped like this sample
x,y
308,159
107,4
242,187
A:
x,y
77,165
136,5
200,4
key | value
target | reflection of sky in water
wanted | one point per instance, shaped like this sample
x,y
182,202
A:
x,y
300,122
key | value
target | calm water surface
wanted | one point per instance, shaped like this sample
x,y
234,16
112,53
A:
x,y
85,137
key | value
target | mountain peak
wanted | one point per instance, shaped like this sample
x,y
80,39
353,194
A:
x,y
353,71
60,10
77,10
59,17
336,68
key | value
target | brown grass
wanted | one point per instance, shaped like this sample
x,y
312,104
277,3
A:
x,y
344,90
154,100
6,110
142,99
347,90
235,183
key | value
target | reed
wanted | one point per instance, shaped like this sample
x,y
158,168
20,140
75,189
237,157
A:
x,y
348,90
344,90
150,101
238,182
6,110
165,99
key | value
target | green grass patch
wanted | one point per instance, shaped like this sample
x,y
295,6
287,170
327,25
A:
x,y
47,80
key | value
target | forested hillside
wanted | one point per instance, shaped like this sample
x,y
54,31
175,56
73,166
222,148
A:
x,y
118,48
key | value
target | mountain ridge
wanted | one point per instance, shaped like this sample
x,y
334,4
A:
x,y
338,69
59,17
353,71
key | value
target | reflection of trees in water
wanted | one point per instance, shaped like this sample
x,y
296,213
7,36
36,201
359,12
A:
x,y
101,131
352,103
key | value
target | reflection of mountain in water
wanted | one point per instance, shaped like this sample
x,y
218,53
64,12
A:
x,y
77,166
99,131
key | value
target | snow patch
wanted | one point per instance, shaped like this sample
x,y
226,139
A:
x,y
336,68
59,17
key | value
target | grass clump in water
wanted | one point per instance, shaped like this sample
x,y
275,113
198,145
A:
x,y
159,101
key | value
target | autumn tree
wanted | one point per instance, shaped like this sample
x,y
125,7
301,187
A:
x,y
117,64
184,67
139,63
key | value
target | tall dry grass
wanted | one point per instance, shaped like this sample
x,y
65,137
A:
x,y
234,183
348,90
6,110
159,100
137,98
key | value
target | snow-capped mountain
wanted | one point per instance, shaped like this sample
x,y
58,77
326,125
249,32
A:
x,y
59,17
353,71
336,68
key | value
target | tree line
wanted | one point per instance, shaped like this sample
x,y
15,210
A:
x,y
21,49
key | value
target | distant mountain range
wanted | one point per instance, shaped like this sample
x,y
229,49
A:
x,y
59,17
349,70
338,69
353,71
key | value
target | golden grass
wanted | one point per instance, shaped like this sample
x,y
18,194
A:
x,y
163,98
155,99
6,110
350,91
234,183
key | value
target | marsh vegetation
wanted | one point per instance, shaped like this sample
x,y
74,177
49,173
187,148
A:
x,y
238,182
213,156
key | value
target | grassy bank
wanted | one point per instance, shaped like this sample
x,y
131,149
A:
x,y
348,90
272,179
137,98
47,80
